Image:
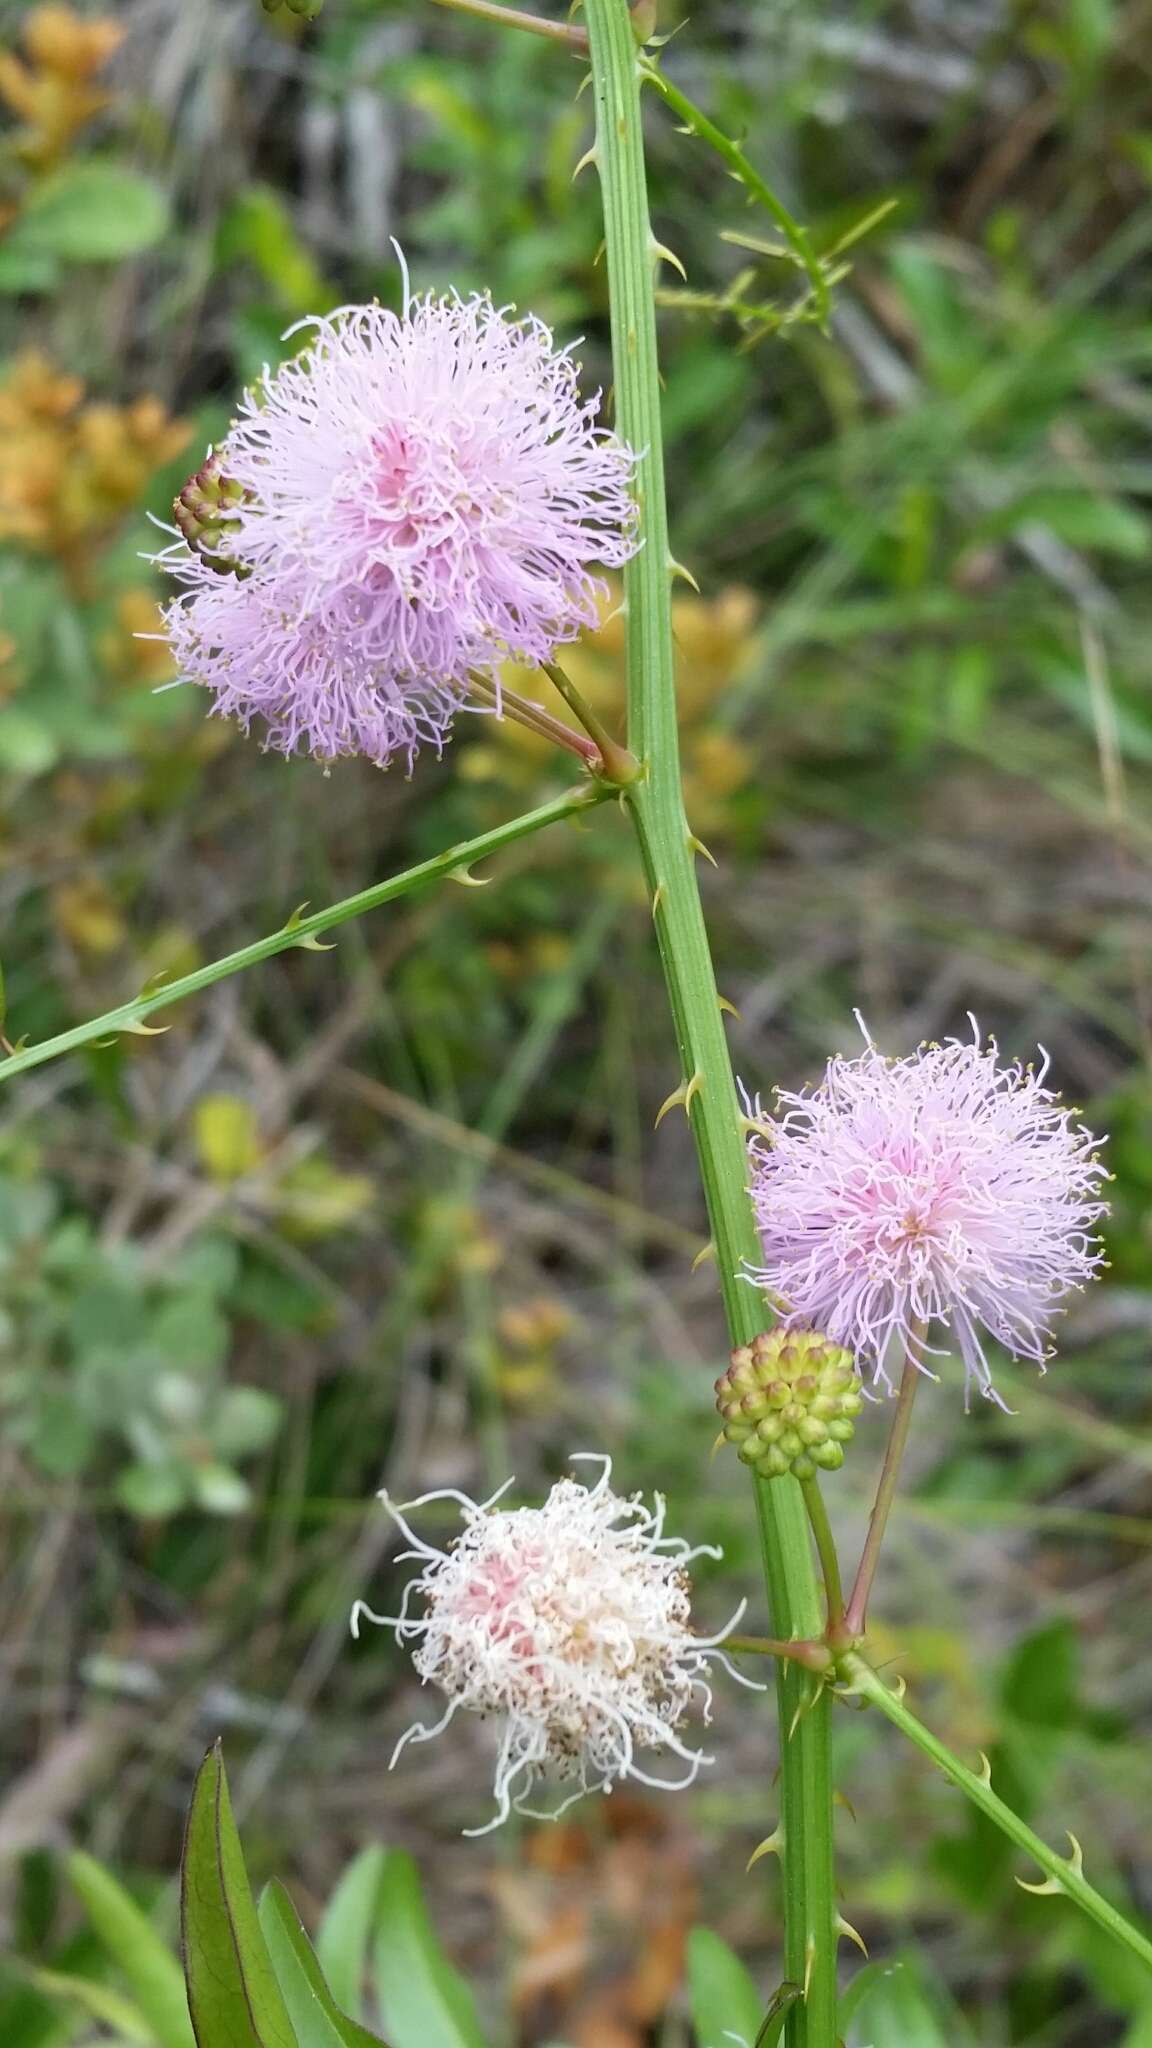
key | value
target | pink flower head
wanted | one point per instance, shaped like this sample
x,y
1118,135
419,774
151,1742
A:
x,y
570,1624
412,498
942,1188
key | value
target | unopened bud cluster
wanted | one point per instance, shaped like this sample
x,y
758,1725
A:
x,y
205,512
789,1400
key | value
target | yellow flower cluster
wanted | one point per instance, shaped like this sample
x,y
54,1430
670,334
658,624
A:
x,y
51,87
715,642
69,471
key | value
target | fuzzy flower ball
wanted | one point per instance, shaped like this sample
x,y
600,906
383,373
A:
x,y
414,497
569,1624
942,1189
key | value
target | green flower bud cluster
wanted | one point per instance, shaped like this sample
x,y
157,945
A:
x,y
789,1400
203,512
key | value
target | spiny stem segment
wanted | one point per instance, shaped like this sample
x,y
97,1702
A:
x,y
857,1611
1065,1872
656,807
302,931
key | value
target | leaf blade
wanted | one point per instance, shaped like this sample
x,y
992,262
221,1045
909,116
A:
x,y
233,1996
423,1998
314,2013
722,1995
345,1933
152,1971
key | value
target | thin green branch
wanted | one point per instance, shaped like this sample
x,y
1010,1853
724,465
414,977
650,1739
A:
x,y
1065,1875
706,131
708,1091
512,17
303,931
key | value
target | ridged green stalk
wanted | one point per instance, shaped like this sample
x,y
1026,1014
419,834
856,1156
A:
x,y
657,810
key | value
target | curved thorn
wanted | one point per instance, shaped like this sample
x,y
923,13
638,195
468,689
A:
x,y
589,157
730,1008
697,846
772,1845
142,1030
1051,1887
841,1799
846,1928
661,254
657,898
692,1090
677,571
677,1100
1076,1859
311,944
706,1252
985,1772
466,878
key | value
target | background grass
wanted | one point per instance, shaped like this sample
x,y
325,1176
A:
x,y
396,1213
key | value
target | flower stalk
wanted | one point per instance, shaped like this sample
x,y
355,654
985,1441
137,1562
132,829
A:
x,y
657,811
856,1616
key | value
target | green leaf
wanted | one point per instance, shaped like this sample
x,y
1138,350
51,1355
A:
x,y
153,1973
424,2000
1040,1683
97,2000
317,2018
233,1995
345,1932
722,1994
890,2002
89,213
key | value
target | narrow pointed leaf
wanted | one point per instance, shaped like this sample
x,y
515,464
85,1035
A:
x,y
344,1936
318,2020
423,1999
98,2001
726,2006
233,1995
153,1974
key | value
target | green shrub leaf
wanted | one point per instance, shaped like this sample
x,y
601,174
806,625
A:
x,y
723,1996
89,213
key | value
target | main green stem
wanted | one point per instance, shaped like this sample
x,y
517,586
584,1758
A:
x,y
657,811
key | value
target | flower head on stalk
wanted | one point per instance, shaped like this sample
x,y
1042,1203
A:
x,y
569,1623
943,1188
414,499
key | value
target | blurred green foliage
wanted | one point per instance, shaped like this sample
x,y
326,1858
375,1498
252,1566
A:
x,y
396,1212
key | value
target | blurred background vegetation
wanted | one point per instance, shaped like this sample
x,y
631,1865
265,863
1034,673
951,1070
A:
x,y
395,1212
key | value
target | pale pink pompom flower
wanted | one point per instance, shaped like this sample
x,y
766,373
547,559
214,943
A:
x,y
943,1189
413,498
569,1625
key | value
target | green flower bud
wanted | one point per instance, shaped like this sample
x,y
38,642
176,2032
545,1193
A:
x,y
788,1402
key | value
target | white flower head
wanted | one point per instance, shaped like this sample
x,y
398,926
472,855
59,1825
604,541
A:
x,y
570,1623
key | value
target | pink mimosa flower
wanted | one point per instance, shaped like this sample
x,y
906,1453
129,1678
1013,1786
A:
x,y
941,1189
414,498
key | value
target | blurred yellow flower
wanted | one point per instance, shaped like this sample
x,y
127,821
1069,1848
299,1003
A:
x,y
51,88
69,472
127,649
